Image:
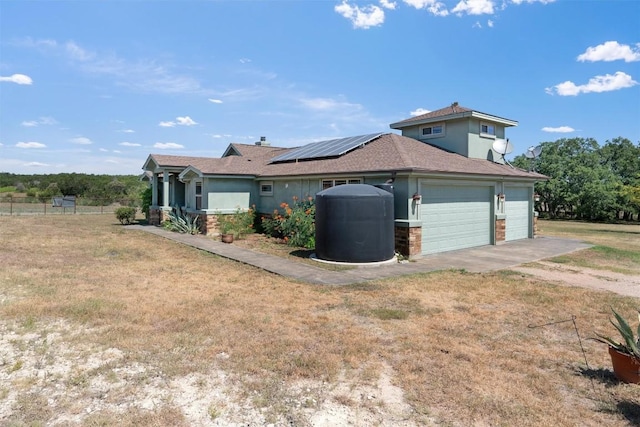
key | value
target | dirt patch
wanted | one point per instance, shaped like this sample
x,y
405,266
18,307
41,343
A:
x,y
603,280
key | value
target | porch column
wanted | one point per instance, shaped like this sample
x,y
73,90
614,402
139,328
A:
x,y
154,190
165,189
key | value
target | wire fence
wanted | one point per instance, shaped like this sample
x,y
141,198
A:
x,y
48,206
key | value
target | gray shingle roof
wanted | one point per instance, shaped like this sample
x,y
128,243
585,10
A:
x,y
387,153
452,111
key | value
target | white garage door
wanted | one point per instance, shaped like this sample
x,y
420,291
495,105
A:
x,y
455,217
517,209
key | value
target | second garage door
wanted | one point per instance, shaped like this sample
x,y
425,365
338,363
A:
x,y
517,209
455,217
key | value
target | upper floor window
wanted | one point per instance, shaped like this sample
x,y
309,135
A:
x,y
328,183
432,131
266,188
487,130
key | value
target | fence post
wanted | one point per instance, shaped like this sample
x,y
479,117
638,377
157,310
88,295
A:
x,y
45,207
10,206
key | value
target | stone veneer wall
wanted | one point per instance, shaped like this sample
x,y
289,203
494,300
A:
x,y
408,241
501,230
208,224
157,216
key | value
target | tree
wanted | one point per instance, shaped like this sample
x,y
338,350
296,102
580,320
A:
x,y
585,180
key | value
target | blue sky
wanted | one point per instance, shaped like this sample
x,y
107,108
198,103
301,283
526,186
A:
x,y
96,86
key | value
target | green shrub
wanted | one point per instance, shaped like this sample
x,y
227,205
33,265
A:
x,y
238,223
126,215
145,201
296,224
182,222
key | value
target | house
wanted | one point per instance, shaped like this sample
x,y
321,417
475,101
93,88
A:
x,y
451,189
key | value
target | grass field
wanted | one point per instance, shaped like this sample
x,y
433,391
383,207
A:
x,y
106,326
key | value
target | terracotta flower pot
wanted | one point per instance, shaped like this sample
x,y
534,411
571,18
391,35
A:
x,y
625,367
227,238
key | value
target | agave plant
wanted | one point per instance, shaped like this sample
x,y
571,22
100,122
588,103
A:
x,y
183,223
631,342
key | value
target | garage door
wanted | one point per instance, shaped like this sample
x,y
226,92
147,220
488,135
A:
x,y
455,217
517,210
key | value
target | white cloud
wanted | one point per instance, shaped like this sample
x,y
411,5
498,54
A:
x,y
129,144
475,7
364,18
560,129
477,25
215,101
532,1
391,5
36,164
185,121
419,112
434,6
490,23
128,131
81,140
104,150
167,145
606,83
146,75
244,60
78,53
182,121
328,104
117,151
40,121
611,51
20,79
30,145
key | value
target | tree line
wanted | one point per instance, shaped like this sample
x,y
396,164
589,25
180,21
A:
x,y
587,181
103,188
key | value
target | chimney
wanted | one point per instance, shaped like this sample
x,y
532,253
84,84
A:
x,y
263,142
453,106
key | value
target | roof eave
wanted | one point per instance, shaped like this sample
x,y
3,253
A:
x,y
409,123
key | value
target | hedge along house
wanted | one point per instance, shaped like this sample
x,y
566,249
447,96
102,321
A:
x,y
451,190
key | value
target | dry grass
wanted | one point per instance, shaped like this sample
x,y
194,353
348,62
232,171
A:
x,y
98,319
617,246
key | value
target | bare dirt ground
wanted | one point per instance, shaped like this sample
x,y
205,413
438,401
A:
x,y
603,280
79,384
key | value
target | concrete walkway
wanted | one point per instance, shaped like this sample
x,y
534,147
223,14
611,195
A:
x,y
481,259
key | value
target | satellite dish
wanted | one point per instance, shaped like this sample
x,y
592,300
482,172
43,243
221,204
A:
x,y
532,153
503,147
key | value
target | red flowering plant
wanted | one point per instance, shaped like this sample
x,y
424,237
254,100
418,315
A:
x,y
294,223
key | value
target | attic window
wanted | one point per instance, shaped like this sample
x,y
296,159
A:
x,y
432,131
487,130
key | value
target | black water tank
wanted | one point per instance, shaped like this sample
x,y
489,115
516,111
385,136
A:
x,y
354,223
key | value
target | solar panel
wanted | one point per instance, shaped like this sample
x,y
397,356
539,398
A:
x,y
330,148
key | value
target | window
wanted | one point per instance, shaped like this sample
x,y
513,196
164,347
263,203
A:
x,y
266,188
328,183
432,131
198,196
487,130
